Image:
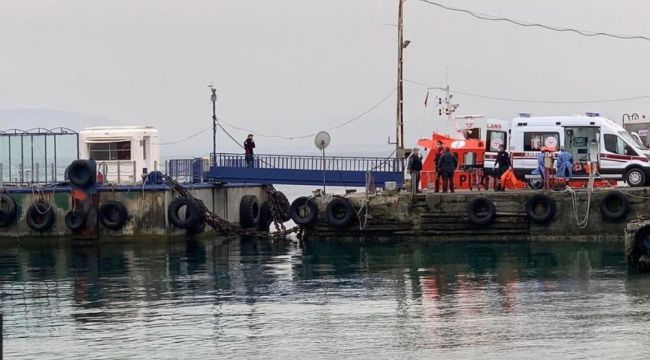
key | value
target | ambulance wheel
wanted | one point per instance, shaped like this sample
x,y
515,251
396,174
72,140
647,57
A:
x,y
635,177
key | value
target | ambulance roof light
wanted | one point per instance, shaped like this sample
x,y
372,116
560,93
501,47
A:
x,y
592,114
525,115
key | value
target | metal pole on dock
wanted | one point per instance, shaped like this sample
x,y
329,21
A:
x,y
214,124
1,337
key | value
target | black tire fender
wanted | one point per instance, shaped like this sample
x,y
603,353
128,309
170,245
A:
x,y
113,215
283,205
642,241
266,217
193,213
615,206
303,211
40,216
7,210
75,220
546,203
339,212
249,211
481,211
81,173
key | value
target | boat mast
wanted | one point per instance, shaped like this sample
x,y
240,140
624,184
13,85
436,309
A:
x,y
399,121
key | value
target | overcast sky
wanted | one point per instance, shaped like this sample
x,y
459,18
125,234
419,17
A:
x,y
294,67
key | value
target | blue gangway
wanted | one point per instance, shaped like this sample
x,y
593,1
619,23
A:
x,y
305,170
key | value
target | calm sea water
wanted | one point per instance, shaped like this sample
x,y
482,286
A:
x,y
254,299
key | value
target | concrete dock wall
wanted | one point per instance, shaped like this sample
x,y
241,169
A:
x,y
147,208
441,217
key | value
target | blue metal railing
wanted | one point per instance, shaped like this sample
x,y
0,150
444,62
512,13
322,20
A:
x,y
302,162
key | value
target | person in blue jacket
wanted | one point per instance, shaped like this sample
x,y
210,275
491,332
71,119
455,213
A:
x,y
564,164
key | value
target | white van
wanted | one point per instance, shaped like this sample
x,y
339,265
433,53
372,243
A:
x,y
619,156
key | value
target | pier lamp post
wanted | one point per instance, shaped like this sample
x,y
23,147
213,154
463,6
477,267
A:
x,y
214,124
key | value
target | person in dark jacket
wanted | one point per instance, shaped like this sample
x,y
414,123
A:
x,y
249,145
414,166
439,150
447,165
502,164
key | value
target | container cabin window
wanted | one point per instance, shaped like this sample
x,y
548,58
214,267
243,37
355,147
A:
x,y
616,145
120,150
534,141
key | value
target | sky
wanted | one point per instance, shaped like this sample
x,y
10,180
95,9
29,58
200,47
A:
x,y
296,67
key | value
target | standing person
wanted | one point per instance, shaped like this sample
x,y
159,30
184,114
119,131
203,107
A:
x,y
439,150
564,165
414,166
249,145
502,164
447,164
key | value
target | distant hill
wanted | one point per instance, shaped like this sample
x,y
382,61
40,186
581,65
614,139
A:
x,y
26,119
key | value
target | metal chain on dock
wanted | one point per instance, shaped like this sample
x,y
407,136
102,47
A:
x,y
226,228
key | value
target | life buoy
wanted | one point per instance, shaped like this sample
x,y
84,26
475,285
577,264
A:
x,y
339,212
81,173
113,215
540,208
192,214
75,220
481,211
283,205
615,206
303,211
40,216
249,211
7,210
266,217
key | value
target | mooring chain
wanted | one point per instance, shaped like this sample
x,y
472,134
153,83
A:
x,y
225,227
273,196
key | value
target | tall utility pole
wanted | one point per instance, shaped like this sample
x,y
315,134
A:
x,y
214,124
399,121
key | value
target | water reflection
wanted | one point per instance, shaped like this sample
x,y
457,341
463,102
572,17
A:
x,y
183,298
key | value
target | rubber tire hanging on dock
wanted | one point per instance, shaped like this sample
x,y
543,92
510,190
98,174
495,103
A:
x,y
81,173
7,210
303,211
548,205
481,211
113,215
75,220
339,212
192,213
642,241
40,216
266,217
249,211
615,206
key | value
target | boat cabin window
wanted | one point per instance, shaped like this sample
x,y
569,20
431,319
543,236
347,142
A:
x,y
494,139
120,150
534,141
616,145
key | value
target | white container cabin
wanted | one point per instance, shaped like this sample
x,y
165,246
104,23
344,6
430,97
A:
x,y
122,153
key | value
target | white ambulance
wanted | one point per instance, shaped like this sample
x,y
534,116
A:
x,y
619,155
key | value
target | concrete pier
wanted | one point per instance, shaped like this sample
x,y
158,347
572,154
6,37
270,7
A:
x,y
431,216
146,206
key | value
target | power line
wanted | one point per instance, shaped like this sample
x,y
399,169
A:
x,y
489,17
499,98
364,113
187,138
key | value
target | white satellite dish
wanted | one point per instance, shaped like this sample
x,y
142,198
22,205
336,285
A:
x,y
322,140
